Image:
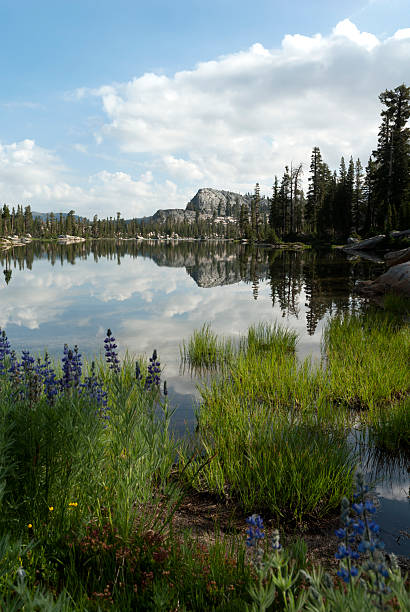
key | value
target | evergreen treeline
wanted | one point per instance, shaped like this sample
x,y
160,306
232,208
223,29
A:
x,y
353,200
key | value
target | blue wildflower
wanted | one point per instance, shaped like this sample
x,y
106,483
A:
x,y
153,371
111,355
358,508
255,531
341,533
343,574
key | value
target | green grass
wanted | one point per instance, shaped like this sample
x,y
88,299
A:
x,y
389,428
397,305
367,360
266,418
205,350
87,505
260,427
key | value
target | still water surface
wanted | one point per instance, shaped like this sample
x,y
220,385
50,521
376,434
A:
x,y
154,295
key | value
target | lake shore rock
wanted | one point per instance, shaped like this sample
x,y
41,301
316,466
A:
x,y
365,245
393,258
395,280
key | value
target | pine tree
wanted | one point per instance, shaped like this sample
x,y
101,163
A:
x,y
255,221
358,208
315,191
392,157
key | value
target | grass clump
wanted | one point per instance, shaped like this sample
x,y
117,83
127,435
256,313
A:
x,y
259,428
293,470
270,338
205,350
367,359
389,428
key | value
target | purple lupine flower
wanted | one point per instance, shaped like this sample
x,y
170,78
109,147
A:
x,y
93,390
370,507
154,371
343,574
255,531
77,367
358,508
4,349
374,527
360,535
68,366
111,355
342,552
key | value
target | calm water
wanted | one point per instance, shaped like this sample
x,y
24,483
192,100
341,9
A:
x,y
153,295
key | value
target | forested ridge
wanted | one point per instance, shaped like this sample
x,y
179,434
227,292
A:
x,y
352,200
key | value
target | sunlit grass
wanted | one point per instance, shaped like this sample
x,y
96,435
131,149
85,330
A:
x,y
205,350
367,359
389,427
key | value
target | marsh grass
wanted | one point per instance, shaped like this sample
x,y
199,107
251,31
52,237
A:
x,y
396,305
275,429
206,351
389,427
367,358
261,426
291,468
88,494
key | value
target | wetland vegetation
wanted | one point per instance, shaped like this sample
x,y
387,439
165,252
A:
x,y
92,476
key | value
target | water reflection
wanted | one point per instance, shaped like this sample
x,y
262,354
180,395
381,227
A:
x,y
153,295
323,281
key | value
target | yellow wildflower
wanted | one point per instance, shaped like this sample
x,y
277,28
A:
x,y
75,504
29,525
51,508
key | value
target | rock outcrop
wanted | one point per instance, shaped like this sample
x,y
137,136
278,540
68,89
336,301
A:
x,y
206,203
397,257
395,280
173,214
224,203
365,245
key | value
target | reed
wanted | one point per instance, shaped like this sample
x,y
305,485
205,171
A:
x,y
389,428
367,359
260,425
205,350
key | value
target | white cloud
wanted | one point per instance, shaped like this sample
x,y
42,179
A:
x,y
226,123
402,34
240,118
30,174
347,29
80,148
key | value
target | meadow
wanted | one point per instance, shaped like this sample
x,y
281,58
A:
x,y
92,477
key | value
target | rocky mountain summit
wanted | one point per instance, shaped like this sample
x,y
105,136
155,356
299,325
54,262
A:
x,y
206,203
224,203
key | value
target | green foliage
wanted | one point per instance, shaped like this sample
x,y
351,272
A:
x,y
266,448
367,359
389,427
87,504
206,350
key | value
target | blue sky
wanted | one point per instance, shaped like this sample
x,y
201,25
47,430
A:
x,y
131,106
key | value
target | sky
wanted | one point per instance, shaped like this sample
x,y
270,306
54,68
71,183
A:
x,y
132,106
